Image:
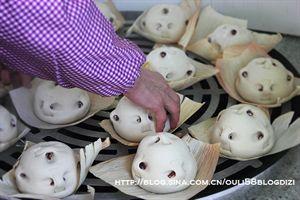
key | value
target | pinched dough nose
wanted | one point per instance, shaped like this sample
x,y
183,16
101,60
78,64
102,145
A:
x,y
147,127
268,64
59,184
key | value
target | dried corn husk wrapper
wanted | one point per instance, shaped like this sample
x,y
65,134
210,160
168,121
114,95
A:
x,y
22,130
209,20
231,64
189,8
286,135
110,11
86,157
22,99
120,169
202,72
187,109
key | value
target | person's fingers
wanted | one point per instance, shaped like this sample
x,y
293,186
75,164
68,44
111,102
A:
x,y
160,117
173,109
5,77
172,94
25,80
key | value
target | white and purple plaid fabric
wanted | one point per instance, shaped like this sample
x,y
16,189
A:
x,y
68,41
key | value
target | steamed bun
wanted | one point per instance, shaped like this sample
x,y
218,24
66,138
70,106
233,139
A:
x,y
228,35
132,122
171,62
164,158
264,81
47,168
8,125
244,131
58,105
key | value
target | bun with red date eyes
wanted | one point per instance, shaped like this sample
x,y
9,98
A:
x,y
172,63
132,122
244,131
164,158
228,35
164,21
264,81
8,126
47,168
58,105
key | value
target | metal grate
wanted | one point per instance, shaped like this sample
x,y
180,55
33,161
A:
x,y
208,91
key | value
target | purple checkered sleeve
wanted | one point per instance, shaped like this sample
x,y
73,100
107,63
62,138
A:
x,y
68,41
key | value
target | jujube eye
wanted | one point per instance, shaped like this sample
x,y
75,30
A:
x,y
165,11
23,175
144,23
250,113
79,104
169,75
289,78
52,106
274,64
111,19
150,117
189,72
233,32
49,155
51,182
139,120
245,74
12,123
209,40
172,174
116,117
163,54
142,165
260,135
230,136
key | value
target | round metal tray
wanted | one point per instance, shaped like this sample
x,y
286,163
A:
x,y
208,91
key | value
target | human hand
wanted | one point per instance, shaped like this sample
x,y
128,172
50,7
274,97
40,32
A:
x,y
7,77
151,92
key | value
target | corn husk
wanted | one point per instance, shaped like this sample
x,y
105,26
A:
x,y
22,99
85,157
120,169
22,130
187,109
190,8
190,29
231,64
120,20
203,71
209,20
287,136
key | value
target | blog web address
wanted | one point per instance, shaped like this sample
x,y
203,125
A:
x,y
247,181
